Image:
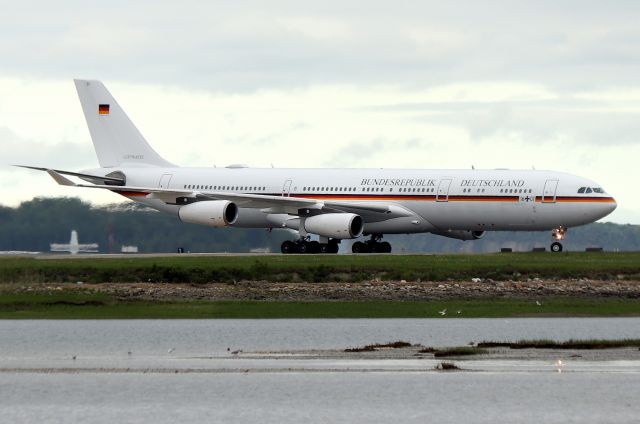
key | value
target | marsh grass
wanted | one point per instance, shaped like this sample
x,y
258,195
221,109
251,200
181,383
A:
x,y
587,344
377,346
458,351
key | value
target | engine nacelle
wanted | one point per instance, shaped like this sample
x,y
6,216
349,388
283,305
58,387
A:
x,y
461,234
335,225
214,213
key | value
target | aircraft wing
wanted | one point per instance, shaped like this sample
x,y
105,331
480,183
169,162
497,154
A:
x,y
267,203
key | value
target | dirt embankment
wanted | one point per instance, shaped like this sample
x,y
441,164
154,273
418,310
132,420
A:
x,y
371,290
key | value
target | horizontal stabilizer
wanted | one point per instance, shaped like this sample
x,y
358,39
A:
x,y
60,179
92,178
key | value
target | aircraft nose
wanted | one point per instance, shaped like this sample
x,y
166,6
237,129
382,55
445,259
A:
x,y
607,207
612,206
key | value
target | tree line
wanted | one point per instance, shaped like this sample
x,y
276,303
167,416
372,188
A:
x,y
36,223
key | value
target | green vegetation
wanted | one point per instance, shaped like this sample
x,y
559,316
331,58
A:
x,y
570,344
458,351
377,346
321,268
78,305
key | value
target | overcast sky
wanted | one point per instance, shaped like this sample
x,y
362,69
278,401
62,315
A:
x,y
550,84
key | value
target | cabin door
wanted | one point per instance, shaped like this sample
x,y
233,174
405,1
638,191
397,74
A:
x,y
549,193
443,190
165,180
286,188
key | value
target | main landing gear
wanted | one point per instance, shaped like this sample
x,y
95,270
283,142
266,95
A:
x,y
558,234
305,245
373,245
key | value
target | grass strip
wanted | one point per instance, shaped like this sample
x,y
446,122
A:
x,y
81,305
320,268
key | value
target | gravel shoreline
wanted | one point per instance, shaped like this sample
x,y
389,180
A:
x,y
368,290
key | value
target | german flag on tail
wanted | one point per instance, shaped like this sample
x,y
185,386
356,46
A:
x,y
103,109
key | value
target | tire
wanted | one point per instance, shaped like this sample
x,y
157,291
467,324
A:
x,y
359,247
287,247
556,247
324,248
385,247
333,246
302,247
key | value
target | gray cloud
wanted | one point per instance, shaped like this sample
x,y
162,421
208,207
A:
x,y
63,155
539,121
361,151
248,45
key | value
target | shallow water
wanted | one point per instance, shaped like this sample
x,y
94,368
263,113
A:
x,y
180,371
51,338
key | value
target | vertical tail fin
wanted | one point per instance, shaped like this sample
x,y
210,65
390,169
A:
x,y
116,140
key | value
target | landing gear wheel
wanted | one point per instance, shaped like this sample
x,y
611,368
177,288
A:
x,y
333,246
324,248
373,245
303,247
287,247
556,247
359,247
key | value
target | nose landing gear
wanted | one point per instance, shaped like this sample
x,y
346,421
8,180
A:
x,y
558,234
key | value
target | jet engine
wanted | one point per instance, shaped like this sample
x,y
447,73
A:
x,y
214,213
461,234
335,225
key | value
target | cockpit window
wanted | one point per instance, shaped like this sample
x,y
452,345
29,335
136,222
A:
x,y
588,190
581,189
598,190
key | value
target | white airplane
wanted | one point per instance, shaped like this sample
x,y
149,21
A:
x,y
73,246
335,204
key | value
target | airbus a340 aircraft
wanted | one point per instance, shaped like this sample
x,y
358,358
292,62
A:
x,y
335,204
